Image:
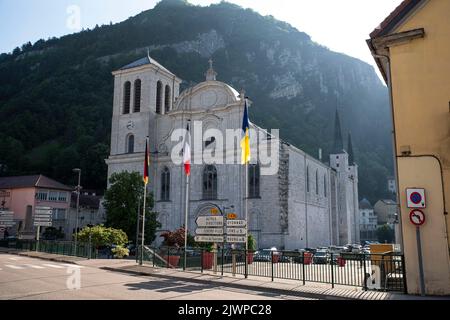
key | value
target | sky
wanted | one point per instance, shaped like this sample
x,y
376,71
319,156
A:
x,y
341,25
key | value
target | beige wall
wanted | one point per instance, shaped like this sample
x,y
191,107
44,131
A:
x,y
421,95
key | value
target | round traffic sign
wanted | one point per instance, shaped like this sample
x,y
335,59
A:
x,y
417,217
415,197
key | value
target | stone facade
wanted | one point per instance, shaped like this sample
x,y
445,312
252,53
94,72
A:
x,y
305,203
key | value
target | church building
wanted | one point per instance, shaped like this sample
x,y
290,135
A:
x,y
305,203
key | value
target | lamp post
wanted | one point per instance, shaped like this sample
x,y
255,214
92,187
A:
x,y
78,207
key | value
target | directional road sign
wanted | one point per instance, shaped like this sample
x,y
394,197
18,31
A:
x,y
236,231
209,231
210,221
209,238
235,239
236,223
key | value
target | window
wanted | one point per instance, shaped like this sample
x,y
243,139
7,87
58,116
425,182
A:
x,y
210,183
42,195
137,95
253,181
317,182
53,196
158,97
167,100
165,184
307,179
130,144
325,185
62,197
126,97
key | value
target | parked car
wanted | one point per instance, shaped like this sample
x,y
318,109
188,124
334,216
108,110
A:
x,y
266,254
321,257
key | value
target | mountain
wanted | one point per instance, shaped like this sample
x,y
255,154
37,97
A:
x,y
56,94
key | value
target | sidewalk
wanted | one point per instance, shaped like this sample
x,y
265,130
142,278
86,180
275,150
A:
x,y
280,286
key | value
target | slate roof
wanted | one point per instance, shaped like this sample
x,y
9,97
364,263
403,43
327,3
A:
x,y
145,61
36,181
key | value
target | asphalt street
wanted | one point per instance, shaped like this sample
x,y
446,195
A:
x,y
30,278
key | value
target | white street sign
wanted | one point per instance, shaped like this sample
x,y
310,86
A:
x,y
210,221
235,239
42,224
236,223
236,231
209,231
209,238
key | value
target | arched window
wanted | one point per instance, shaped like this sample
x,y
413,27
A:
x,y
137,95
158,97
307,179
130,144
325,185
317,182
253,181
167,99
210,183
126,97
165,184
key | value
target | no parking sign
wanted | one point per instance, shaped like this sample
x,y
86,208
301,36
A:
x,y
415,198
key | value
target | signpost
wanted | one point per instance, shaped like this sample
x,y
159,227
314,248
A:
x,y
209,231
236,239
42,218
231,216
209,238
6,219
415,198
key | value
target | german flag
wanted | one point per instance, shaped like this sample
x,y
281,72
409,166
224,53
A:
x,y
146,162
245,141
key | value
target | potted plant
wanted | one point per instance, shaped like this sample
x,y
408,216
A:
x,y
173,240
207,255
251,243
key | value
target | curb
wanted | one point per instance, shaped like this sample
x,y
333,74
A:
x,y
233,285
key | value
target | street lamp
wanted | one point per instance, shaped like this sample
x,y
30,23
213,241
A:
x,y
78,207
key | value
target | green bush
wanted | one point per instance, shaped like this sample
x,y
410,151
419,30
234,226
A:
x,y
120,252
102,236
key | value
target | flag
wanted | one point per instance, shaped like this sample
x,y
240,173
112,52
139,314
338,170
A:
x,y
146,162
245,141
187,153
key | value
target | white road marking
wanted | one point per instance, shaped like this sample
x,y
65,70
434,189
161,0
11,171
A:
x,y
13,267
53,266
34,266
72,265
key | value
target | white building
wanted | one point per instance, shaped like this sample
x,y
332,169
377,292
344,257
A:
x,y
305,203
368,221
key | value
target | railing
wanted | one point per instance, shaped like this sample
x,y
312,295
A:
x,y
384,272
84,250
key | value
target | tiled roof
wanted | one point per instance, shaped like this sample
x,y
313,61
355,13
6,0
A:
x,y
395,17
38,181
365,204
145,61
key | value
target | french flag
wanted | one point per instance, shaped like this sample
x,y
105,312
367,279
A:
x,y
187,153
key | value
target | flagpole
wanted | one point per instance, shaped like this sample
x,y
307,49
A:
x,y
186,220
143,225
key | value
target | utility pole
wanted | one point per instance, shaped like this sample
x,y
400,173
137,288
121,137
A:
x,y
78,207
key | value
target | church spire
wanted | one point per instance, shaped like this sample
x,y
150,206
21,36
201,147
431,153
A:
x,y
338,146
211,73
351,156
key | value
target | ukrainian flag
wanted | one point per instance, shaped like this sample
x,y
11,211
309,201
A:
x,y
245,141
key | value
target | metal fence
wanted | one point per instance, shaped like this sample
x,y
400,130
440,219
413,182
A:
x,y
84,250
369,271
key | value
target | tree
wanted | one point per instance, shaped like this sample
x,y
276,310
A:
x,y
101,236
385,234
122,201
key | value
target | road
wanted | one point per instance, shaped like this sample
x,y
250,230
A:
x,y
23,278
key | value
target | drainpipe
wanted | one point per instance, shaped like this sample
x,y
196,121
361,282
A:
x,y
394,139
